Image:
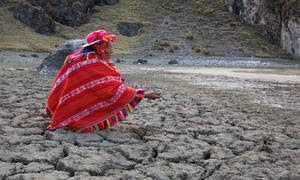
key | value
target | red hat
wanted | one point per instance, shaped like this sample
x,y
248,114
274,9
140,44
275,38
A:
x,y
98,36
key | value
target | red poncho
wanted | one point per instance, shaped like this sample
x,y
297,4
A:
x,y
88,94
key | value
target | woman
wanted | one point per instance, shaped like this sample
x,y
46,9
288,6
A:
x,y
88,93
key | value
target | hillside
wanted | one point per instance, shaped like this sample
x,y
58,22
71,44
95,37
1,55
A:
x,y
179,27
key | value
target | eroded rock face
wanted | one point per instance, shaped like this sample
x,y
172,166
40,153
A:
x,y
106,2
281,20
258,12
35,17
290,36
55,60
1,2
111,2
41,14
37,2
129,28
67,12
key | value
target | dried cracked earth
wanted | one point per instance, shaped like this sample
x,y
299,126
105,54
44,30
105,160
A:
x,y
203,127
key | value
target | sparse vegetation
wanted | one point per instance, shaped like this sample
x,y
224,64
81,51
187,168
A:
x,y
160,45
264,47
189,36
201,49
17,36
234,23
171,6
213,30
173,49
207,7
286,7
221,3
262,50
205,10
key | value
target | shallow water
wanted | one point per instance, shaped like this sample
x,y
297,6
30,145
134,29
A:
x,y
252,62
201,61
277,75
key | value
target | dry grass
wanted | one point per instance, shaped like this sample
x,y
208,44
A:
x,y
170,6
174,48
108,17
14,35
207,7
189,36
205,10
160,45
201,49
17,36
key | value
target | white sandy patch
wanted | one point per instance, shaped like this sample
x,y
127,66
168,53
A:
x,y
242,73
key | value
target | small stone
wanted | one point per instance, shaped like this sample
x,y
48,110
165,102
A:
x,y
21,69
173,62
120,61
100,2
111,2
141,61
35,17
35,55
2,2
129,29
52,63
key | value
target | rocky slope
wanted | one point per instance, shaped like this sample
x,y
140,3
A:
x,y
145,28
280,20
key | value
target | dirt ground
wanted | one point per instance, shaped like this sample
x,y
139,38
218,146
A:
x,y
205,126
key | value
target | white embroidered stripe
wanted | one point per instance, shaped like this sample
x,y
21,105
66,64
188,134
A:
x,y
93,123
89,86
94,108
72,69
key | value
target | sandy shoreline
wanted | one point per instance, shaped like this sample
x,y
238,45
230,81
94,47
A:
x,y
262,74
207,125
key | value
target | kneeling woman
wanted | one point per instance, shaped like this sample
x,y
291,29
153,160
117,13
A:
x,y
88,93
